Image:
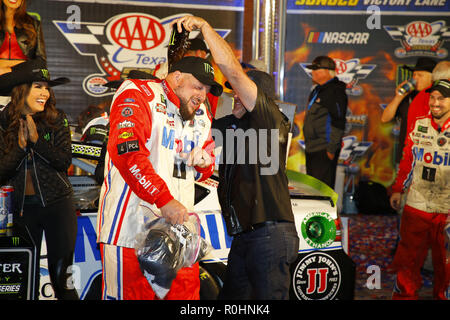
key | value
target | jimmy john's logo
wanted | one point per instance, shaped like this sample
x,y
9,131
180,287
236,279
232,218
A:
x,y
317,276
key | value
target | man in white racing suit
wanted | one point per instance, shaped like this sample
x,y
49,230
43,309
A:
x,y
159,143
425,168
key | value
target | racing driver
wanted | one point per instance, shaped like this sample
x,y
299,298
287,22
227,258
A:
x,y
159,143
425,167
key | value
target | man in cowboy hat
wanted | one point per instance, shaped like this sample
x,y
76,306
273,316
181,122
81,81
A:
x,y
159,144
399,106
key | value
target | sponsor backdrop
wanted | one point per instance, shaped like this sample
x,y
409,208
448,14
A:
x,y
93,43
369,40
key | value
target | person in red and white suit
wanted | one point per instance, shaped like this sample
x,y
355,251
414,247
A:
x,y
159,143
424,172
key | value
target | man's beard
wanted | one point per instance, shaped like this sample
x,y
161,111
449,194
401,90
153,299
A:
x,y
439,115
184,111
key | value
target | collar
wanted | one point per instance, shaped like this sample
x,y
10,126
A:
x,y
326,83
170,94
444,127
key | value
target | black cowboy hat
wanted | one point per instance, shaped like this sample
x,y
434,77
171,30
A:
x,y
133,74
422,64
28,72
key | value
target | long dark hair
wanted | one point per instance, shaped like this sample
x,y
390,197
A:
x,y
22,21
18,96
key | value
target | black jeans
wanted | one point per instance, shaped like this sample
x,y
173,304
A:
x,y
258,263
59,221
321,167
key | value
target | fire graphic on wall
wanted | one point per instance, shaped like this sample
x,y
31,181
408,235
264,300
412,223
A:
x,y
363,118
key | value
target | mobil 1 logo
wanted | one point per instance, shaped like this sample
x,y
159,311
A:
x,y
317,276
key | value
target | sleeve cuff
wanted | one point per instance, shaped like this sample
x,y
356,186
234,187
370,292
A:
x,y
163,199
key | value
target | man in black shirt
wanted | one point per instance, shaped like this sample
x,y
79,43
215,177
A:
x,y
325,120
253,191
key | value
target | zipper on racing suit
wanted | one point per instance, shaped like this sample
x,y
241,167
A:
x,y
37,179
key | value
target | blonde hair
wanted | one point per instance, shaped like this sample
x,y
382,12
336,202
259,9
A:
x,y
441,71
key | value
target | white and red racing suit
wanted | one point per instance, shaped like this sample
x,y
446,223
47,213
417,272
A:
x,y
425,168
144,170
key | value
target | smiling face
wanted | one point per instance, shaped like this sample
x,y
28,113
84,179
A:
x,y
12,4
439,106
192,93
37,98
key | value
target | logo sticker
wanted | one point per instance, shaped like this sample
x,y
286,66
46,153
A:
x,y
126,135
316,277
127,111
128,40
420,38
128,146
350,72
318,229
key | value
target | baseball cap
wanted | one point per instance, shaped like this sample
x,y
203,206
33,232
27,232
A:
x,y
443,86
422,64
322,62
198,44
201,69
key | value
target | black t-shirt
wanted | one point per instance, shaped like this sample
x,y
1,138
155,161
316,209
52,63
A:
x,y
254,188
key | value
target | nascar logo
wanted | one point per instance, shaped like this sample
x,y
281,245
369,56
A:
x,y
125,41
338,37
420,38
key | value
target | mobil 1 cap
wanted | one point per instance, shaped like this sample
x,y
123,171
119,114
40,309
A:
x,y
201,69
443,86
322,62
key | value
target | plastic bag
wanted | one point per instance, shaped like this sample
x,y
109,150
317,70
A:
x,y
162,249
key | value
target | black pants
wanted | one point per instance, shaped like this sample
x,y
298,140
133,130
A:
x,y
59,221
321,167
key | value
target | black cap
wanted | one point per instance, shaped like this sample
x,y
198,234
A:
x,y
133,74
198,44
443,86
201,69
30,71
263,80
422,64
322,62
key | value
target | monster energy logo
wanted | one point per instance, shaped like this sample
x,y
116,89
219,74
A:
x,y
15,241
45,73
208,68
